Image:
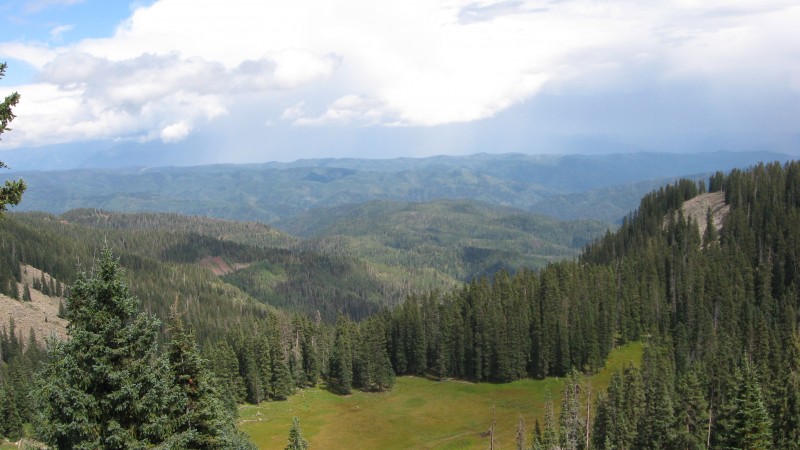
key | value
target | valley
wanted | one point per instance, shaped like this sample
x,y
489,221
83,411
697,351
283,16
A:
x,y
419,412
397,316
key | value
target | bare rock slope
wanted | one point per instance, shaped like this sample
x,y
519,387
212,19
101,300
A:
x,y
39,314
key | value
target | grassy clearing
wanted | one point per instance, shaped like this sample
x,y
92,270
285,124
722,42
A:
x,y
417,413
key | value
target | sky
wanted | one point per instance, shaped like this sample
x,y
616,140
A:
x,y
257,81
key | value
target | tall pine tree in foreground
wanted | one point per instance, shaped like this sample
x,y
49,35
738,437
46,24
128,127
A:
x,y
105,386
200,420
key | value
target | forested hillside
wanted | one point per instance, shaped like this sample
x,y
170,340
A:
x,y
599,187
718,311
460,239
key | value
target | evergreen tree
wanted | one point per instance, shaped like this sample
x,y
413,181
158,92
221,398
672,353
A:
x,y
105,387
281,384
11,192
200,420
340,377
296,441
656,422
745,422
691,412
375,369
550,433
10,420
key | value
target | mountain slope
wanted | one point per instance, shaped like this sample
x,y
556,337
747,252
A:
x,y
268,193
461,239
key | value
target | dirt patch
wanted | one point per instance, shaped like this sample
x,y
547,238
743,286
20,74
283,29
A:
x,y
221,267
40,314
698,207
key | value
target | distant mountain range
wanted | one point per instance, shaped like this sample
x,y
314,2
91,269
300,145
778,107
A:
x,y
598,187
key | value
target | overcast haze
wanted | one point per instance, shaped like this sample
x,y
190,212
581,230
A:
x,y
251,81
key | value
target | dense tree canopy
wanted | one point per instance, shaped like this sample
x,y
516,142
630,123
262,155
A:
x,y
106,386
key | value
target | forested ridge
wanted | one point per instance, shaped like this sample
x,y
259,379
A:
x,y
719,313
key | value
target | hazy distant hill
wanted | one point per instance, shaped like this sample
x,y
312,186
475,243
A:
x,y
561,186
459,238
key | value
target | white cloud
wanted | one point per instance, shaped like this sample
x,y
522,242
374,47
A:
x,y
175,132
347,109
360,62
294,112
56,34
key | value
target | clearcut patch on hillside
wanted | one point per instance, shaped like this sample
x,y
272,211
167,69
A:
x,y
40,314
219,266
698,207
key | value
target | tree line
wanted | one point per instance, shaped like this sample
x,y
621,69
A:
x,y
720,311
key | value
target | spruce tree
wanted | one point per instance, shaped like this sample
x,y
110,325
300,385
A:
x,y
105,386
10,420
340,377
200,420
296,441
281,384
691,413
11,192
753,424
550,433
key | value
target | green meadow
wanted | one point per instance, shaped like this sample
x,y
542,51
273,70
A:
x,y
417,413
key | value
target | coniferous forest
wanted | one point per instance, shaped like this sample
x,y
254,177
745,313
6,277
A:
x,y
718,310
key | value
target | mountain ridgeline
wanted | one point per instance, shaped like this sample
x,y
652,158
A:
x,y
719,310
567,187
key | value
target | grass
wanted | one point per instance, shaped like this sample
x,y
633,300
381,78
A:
x,y
417,413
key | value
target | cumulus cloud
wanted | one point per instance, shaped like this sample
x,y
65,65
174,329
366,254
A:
x,y
345,110
177,64
175,132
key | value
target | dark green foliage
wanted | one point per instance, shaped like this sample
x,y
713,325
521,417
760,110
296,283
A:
x,y
10,420
744,420
656,424
105,387
281,383
19,362
615,423
11,192
340,368
199,418
691,412
461,239
372,368
529,324
711,301
296,441
701,303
